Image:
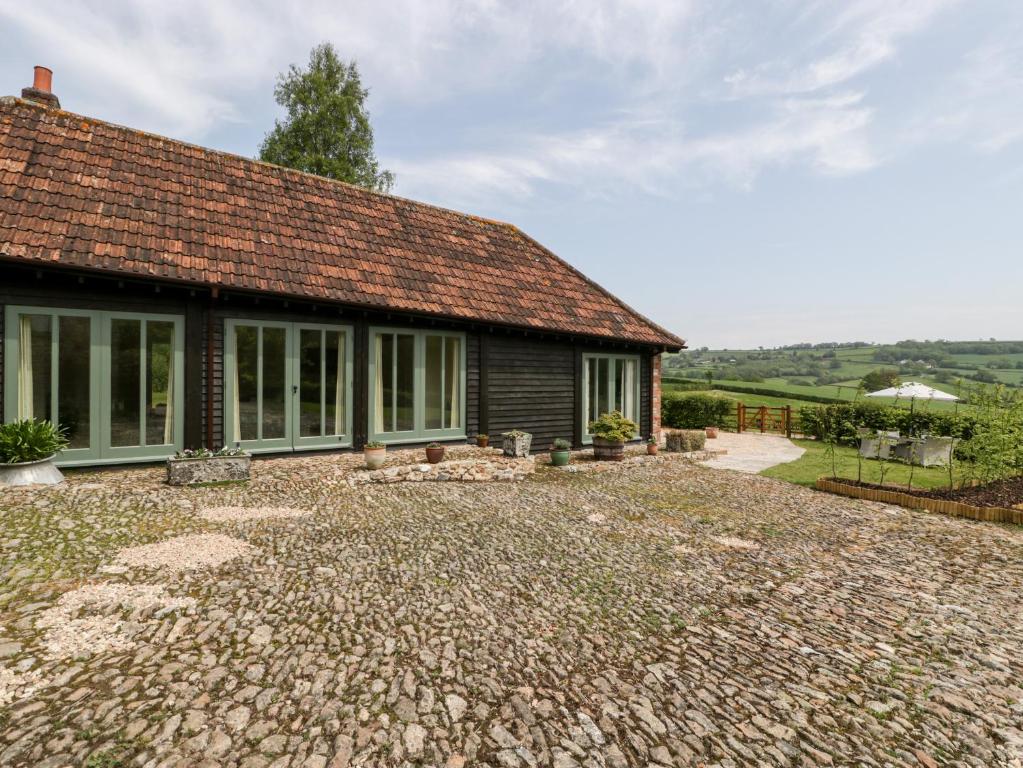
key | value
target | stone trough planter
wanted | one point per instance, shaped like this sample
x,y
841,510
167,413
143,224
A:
x,y
42,472
210,469
516,443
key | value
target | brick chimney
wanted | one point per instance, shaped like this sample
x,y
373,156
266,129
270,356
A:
x,y
40,91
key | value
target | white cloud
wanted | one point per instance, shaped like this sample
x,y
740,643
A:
x,y
829,48
651,154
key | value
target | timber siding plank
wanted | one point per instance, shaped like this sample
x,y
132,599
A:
x,y
531,386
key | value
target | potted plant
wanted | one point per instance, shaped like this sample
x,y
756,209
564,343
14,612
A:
x,y
434,453
651,446
201,465
482,441
610,433
560,453
516,443
375,454
27,451
712,431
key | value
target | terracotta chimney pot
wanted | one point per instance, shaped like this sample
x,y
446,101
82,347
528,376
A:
x,y
41,91
43,80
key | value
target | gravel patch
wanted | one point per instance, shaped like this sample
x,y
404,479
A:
x,y
97,618
17,685
202,550
242,514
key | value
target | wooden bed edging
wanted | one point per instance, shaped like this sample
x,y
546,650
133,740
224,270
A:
x,y
943,506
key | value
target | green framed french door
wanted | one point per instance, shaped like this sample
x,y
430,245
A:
x,y
288,386
110,380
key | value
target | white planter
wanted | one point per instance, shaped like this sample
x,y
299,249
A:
x,y
42,472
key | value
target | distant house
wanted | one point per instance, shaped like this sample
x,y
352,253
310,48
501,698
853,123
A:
x,y
157,295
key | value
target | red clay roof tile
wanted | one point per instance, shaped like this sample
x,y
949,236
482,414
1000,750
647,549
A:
x,y
84,193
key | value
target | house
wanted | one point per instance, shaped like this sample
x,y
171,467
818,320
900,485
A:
x,y
157,295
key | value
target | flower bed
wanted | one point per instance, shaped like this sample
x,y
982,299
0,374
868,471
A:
x,y
928,503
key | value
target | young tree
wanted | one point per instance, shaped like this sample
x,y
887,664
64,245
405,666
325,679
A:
x,y
327,130
882,378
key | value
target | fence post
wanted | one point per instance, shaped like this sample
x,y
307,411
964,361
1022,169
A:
x,y
763,419
738,418
788,421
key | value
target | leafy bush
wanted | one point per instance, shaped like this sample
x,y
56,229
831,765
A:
x,y
30,440
374,444
614,427
694,411
995,448
561,444
842,420
206,453
685,440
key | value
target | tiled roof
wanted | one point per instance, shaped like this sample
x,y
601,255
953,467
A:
x,y
82,193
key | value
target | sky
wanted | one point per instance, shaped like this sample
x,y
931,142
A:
x,y
745,174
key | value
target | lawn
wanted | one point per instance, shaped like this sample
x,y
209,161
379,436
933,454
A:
x,y
816,462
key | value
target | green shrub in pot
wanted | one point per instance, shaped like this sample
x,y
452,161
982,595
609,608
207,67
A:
x,y
560,452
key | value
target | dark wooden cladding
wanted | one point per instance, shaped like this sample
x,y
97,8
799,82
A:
x,y
513,380
531,386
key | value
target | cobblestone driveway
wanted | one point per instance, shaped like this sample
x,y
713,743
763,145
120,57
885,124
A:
x,y
659,613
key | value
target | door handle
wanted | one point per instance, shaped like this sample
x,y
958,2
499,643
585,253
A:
x,y
294,389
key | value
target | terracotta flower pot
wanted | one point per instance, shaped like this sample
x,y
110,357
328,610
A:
x,y
712,432
651,449
375,457
435,455
482,442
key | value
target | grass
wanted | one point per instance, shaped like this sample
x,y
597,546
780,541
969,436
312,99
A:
x,y
816,463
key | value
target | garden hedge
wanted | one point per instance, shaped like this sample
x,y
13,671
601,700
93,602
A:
x,y
694,411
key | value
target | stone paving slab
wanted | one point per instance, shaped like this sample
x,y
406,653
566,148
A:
x,y
752,452
655,614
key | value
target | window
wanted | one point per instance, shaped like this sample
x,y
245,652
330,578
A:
x,y
417,385
610,383
288,385
111,380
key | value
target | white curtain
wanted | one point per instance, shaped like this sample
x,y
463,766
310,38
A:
x,y
454,351
25,393
236,403
378,386
168,417
339,392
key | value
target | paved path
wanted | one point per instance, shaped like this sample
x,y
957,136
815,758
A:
x,y
752,452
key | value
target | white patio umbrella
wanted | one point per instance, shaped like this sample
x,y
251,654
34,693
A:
x,y
913,391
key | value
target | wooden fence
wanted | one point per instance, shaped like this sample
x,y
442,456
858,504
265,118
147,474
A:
x,y
944,506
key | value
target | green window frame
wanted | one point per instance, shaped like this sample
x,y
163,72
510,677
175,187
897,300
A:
x,y
418,430
292,439
606,380
99,376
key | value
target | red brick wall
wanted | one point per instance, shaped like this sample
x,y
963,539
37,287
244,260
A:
x,y
655,397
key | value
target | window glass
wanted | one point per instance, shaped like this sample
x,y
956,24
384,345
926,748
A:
x,y
125,377
334,382
405,384
35,387
452,418
309,351
610,383
246,382
434,382
73,374
159,383
275,371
